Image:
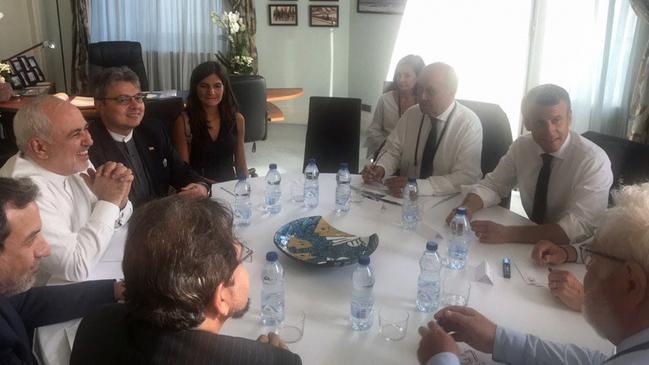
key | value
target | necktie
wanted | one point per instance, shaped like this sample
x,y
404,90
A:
x,y
428,156
541,193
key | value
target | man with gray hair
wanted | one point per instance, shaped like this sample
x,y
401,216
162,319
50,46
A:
x,y
439,141
80,207
142,145
616,302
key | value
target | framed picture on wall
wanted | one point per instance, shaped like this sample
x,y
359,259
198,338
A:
x,y
16,65
323,16
282,14
381,6
33,66
17,81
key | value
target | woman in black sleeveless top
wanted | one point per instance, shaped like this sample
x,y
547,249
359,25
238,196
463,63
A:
x,y
209,135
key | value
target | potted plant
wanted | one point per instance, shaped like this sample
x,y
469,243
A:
x,y
237,59
5,86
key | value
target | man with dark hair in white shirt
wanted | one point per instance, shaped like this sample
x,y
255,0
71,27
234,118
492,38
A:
x,y
439,140
80,207
563,178
616,302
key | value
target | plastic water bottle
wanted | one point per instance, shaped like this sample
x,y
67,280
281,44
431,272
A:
x,y
362,299
273,190
272,291
343,189
410,212
242,205
311,187
458,248
428,285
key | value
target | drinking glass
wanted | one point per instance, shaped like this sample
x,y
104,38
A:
x,y
455,291
393,323
292,328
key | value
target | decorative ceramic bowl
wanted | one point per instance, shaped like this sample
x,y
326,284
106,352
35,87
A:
x,y
314,241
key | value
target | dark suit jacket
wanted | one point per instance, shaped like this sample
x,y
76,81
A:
x,y
110,336
22,313
156,151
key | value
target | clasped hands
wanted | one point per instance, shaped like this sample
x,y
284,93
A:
x,y
110,182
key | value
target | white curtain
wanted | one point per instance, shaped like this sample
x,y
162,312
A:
x,y
175,35
501,49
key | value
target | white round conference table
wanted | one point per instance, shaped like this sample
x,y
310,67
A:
x,y
324,293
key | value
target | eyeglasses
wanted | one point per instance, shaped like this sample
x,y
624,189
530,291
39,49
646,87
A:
x,y
126,99
587,254
246,253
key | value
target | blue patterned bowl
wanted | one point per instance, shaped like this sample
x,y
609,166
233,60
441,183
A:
x,y
314,241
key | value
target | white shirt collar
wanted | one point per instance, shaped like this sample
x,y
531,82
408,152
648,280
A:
x,y
633,340
120,138
444,116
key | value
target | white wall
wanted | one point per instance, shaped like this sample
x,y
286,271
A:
x,y
17,33
313,58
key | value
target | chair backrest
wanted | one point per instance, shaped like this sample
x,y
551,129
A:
x,y
250,92
333,133
629,160
114,54
166,110
496,132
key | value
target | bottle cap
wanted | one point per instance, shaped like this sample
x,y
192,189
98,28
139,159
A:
x,y
272,166
412,179
363,260
312,160
431,246
271,256
461,210
344,165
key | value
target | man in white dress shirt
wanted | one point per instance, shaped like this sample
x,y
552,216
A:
x,y
616,303
79,207
563,178
439,141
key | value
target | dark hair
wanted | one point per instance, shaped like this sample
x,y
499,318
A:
x,y
413,61
228,107
545,95
16,194
107,76
177,253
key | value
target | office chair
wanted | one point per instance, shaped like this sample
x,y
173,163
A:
x,y
496,136
333,133
114,54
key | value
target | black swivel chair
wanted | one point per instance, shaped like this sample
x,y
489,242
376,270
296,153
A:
x,y
333,133
250,92
166,110
496,135
114,54
629,160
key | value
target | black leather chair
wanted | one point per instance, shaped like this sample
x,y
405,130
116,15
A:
x,y
333,133
166,110
250,91
114,54
496,135
629,160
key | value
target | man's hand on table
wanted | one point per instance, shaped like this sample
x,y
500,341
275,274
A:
x,y
434,340
395,185
468,326
194,191
548,253
373,174
273,339
490,232
567,288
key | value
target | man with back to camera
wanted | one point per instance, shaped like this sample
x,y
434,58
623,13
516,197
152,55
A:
x,y
22,246
439,140
80,208
184,271
141,145
563,178
616,302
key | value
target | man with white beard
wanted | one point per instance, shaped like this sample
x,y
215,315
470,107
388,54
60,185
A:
x,y
616,302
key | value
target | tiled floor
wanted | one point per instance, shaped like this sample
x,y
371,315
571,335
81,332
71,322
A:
x,y
285,146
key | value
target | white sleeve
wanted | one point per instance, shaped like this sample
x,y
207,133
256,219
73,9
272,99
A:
x,y
390,158
74,254
375,136
498,183
588,201
466,168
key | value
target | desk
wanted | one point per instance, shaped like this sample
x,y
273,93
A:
x,y
324,293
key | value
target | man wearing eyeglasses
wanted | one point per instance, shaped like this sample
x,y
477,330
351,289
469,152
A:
x,y
616,302
143,146
80,207
185,277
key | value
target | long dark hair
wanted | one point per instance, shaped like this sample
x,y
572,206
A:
x,y
413,61
228,107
